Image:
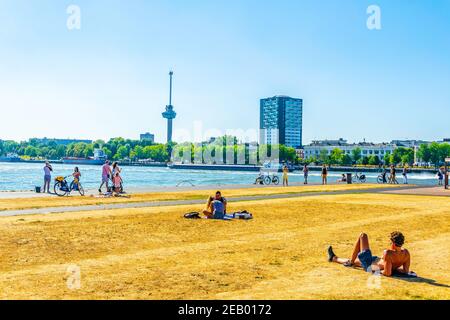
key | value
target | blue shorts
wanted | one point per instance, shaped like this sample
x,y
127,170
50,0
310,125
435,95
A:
x,y
219,215
47,178
366,259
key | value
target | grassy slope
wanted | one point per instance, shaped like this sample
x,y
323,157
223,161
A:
x,y
155,254
32,203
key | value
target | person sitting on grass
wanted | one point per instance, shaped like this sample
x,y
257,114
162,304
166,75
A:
x,y
216,207
117,181
342,179
395,260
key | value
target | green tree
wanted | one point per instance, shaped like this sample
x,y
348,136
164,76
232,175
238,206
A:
x,y
323,157
374,160
122,153
139,152
356,154
424,153
347,160
336,156
365,161
31,151
435,153
107,152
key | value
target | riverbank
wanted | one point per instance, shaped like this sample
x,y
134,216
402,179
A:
x,y
28,200
225,167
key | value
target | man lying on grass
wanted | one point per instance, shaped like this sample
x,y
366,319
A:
x,y
396,260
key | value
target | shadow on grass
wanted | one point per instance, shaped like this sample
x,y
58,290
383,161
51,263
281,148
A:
x,y
431,282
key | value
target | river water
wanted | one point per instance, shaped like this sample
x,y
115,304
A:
x,y
25,176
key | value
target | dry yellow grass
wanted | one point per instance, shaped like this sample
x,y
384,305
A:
x,y
153,253
42,202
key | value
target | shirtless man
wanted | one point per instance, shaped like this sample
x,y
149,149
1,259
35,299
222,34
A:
x,y
395,260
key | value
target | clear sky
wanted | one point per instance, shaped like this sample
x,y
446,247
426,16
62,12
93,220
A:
x,y
110,77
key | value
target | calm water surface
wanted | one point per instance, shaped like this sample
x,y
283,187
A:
x,y
25,176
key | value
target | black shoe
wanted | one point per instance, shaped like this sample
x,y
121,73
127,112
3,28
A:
x,y
331,254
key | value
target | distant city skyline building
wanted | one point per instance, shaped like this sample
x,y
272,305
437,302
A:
x,y
318,147
147,136
169,114
281,121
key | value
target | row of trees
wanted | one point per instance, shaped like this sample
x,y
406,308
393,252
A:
x,y
227,150
115,149
338,157
121,149
434,153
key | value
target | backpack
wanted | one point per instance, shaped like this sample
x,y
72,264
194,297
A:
x,y
192,215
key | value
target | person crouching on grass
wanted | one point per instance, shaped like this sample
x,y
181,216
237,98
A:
x,y
394,260
216,207
117,183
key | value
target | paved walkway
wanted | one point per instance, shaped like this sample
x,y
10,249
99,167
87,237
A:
x,y
422,191
51,210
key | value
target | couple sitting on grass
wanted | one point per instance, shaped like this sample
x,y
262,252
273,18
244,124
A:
x,y
216,207
395,261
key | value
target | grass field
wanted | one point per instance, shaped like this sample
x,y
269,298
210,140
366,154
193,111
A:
x,y
42,202
154,253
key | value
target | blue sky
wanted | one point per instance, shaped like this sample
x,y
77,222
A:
x,y
110,78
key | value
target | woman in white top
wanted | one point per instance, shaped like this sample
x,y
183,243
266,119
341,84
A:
x,y
47,176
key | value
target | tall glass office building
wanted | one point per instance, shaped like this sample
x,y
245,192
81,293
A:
x,y
281,121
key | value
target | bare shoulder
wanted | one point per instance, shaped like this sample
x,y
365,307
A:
x,y
406,252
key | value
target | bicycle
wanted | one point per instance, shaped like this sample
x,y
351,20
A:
x,y
272,179
63,188
381,179
267,179
359,177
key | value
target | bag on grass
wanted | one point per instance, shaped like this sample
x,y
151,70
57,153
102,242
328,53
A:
x,y
244,215
192,215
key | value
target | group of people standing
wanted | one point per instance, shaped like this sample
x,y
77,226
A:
x,y
111,173
48,169
305,175
286,175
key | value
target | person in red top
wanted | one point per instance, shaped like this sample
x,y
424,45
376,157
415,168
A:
x,y
76,176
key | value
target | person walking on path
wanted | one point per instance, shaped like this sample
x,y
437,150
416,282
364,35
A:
x,y
285,176
106,175
48,169
440,176
305,173
405,175
324,175
392,178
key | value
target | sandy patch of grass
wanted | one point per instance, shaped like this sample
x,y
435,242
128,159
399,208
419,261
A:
x,y
153,253
44,202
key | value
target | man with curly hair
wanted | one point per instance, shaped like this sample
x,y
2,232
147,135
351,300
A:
x,y
395,260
